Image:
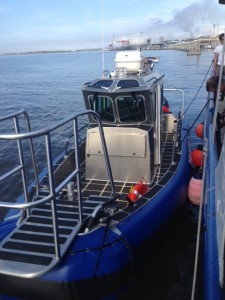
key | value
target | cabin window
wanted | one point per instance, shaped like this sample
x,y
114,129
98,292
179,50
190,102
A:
x,y
131,109
103,106
128,83
103,83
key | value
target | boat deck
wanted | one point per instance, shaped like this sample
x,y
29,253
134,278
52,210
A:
x,y
35,246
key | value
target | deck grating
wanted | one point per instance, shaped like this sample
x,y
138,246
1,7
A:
x,y
32,242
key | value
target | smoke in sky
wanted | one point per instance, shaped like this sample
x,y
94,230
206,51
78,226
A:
x,y
195,20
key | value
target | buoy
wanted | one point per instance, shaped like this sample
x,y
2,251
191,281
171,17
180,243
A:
x,y
199,130
197,156
166,109
165,104
194,190
135,192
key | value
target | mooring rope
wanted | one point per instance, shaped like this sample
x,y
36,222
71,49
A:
x,y
199,229
198,90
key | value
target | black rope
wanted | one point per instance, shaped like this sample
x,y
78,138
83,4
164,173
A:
x,y
197,91
108,218
196,119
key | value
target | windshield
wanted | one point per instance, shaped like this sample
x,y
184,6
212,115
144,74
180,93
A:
x,y
103,106
131,109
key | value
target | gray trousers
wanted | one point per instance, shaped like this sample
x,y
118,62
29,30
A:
x,y
218,70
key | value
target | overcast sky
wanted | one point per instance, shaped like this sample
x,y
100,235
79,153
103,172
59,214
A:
x,y
34,25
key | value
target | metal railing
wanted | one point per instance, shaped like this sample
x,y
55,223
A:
x,y
29,135
180,115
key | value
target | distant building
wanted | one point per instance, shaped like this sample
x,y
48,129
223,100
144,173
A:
x,y
131,43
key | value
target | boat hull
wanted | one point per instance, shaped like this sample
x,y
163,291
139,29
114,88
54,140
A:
x,y
212,289
80,234
99,265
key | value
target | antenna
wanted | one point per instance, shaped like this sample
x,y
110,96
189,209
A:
x,y
103,56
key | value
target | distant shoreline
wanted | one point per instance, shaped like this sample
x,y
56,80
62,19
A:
x,y
45,52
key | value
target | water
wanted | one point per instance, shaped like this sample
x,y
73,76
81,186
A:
x,y
170,275
48,86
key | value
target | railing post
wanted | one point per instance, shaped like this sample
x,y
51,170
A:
x,y
53,194
77,162
21,158
32,153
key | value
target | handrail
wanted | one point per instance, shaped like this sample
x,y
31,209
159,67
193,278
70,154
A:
x,y
15,117
53,190
42,132
182,92
179,118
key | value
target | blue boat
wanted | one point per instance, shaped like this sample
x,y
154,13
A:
x,y
213,194
85,210
213,205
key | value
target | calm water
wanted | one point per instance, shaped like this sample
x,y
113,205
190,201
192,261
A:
x,y
48,86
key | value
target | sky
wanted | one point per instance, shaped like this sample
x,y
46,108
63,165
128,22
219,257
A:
x,y
51,25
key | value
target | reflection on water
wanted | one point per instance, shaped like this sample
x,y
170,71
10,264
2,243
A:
x,y
169,275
